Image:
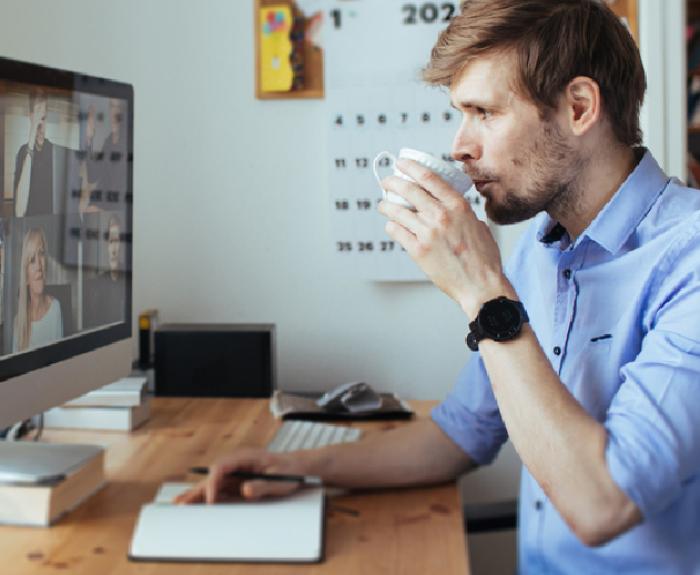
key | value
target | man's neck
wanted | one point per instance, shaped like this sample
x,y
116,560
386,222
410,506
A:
x,y
603,176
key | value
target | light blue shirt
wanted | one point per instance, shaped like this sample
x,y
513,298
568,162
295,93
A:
x,y
618,315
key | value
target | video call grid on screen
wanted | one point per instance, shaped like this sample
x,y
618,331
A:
x,y
65,232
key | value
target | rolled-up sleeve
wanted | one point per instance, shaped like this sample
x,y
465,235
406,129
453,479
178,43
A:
x,y
469,414
653,423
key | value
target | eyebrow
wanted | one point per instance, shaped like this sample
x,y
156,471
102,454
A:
x,y
466,104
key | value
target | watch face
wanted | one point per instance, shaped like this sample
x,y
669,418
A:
x,y
500,319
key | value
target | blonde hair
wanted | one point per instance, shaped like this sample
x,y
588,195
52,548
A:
x,y
553,42
23,323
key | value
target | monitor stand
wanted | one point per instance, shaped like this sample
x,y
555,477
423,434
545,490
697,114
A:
x,y
33,463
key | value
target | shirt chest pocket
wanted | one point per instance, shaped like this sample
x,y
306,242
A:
x,y
593,375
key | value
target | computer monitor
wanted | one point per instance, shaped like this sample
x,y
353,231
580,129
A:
x,y
66,154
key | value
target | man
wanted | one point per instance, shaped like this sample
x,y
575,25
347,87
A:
x,y
106,292
33,183
103,175
114,170
591,363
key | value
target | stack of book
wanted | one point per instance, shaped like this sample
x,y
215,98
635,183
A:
x,y
119,406
40,482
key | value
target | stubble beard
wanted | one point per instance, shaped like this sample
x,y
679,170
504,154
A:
x,y
555,168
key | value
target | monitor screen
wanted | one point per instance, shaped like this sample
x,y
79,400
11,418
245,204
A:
x,y
66,152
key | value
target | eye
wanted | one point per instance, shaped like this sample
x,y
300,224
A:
x,y
483,113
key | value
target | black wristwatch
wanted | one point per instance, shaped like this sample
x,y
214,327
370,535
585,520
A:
x,y
499,319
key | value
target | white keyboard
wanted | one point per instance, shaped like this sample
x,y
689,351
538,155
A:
x,y
295,435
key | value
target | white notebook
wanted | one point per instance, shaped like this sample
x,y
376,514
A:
x,y
288,530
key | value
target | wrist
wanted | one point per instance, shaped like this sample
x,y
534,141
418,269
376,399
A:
x,y
472,302
499,319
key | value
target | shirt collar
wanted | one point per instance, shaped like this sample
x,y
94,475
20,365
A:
x,y
623,212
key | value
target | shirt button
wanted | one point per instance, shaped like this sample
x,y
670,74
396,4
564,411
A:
x,y
567,274
539,505
557,350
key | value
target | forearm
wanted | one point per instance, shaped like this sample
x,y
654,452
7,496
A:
x,y
560,444
415,454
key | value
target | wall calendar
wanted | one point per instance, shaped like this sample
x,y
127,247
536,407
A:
x,y
375,101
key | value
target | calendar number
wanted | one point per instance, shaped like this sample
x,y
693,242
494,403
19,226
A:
x,y
364,205
387,246
342,205
365,246
427,13
337,19
344,246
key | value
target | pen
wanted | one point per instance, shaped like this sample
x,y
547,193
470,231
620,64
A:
x,y
310,480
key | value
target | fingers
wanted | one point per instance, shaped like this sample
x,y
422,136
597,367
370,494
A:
x,y
194,495
220,485
257,489
430,181
436,203
219,482
408,219
402,235
420,198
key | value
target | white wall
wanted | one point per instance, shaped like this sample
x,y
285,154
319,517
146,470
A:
x,y
230,214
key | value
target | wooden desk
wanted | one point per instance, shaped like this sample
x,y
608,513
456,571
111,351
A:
x,y
395,531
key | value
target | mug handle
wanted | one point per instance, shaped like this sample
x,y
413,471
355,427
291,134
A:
x,y
375,167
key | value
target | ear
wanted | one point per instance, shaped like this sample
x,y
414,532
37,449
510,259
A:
x,y
583,104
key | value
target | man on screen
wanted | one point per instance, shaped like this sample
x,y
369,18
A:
x,y
33,182
105,294
588,341
114,157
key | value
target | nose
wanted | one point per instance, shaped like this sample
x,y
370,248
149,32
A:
x,y
466,144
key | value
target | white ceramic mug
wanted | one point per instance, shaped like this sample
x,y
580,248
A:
x,y
449,172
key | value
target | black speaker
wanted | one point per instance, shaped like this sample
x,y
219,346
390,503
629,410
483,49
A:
x,y
215,360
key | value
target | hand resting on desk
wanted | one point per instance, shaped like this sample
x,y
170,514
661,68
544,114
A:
x,y
218,486
417,453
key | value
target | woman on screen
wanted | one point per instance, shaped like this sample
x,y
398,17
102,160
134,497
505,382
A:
x,y
38,320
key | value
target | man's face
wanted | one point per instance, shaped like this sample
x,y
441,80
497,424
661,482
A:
x,y
39,113
520,163
113,244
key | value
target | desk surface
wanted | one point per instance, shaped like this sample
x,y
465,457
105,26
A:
x,y
394,531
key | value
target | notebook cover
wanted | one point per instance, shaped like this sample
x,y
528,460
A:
x,y
279,530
